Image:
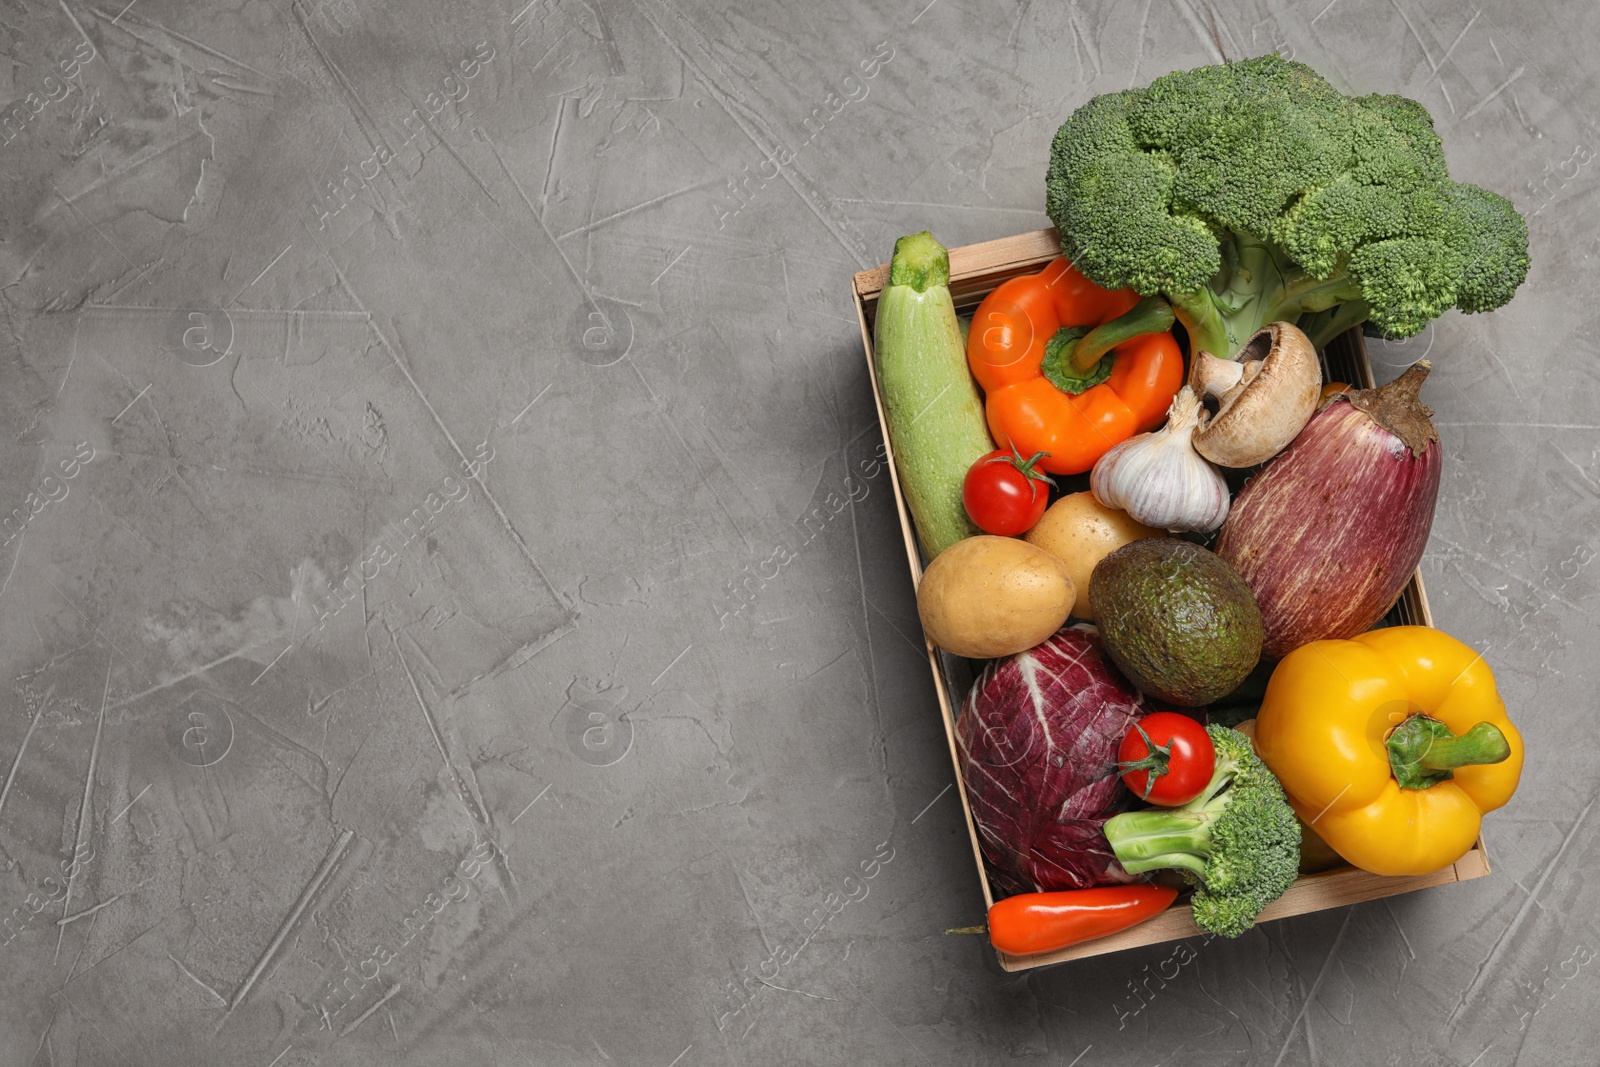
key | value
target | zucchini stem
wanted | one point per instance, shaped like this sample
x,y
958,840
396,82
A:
x,y
919,262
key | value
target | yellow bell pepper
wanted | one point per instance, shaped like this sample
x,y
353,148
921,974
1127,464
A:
x,y
1392,745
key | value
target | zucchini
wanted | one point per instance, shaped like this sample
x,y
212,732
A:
x,y
936,422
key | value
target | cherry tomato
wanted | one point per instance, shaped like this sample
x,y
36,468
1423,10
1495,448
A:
x,y
1167,759
1004,495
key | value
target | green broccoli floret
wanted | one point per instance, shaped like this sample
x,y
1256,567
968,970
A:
x,y
1238,843
1252,192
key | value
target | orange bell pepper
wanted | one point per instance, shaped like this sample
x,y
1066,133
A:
x,y
1026,378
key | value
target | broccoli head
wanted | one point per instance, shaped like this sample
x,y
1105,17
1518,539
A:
x,y
1238,842
1252,192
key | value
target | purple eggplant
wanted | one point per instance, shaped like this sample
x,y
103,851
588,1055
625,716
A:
x,y
1330,532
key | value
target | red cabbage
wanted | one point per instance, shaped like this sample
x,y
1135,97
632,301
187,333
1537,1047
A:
x,y
1038,737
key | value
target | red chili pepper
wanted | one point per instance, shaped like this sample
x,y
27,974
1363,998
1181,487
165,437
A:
x,y
1030,923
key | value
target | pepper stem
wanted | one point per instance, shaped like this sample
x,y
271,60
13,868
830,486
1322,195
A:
x,y
1150,315
1057,366
1423,752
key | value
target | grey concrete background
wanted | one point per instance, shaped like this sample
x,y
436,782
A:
x,y
490,315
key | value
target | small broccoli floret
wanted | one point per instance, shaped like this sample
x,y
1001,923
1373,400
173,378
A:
x,y
1238,843
1287,117
1252,192
1122,197
1407,282
1494,244
1394,142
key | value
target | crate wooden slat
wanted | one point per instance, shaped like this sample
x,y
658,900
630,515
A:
x,y
975,271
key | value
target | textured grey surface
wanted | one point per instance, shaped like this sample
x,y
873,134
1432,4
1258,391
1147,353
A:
x,y
494,315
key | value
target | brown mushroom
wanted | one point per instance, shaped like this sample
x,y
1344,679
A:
x,y
1264,397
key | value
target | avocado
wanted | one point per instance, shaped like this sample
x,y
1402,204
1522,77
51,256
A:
x,y
1176,619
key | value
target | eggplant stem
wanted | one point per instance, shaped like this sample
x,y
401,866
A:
x,y
1397,409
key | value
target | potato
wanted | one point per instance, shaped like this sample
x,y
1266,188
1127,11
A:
x,y
986,596
1080,531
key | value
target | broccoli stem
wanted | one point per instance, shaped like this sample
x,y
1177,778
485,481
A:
x,y
1204,322
1187,861
1161,837
1323,326
1306,293
1258,285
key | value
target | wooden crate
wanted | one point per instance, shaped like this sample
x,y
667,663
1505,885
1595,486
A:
x,y
975,271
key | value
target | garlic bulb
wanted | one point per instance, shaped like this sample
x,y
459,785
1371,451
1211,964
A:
x,y
1159,479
